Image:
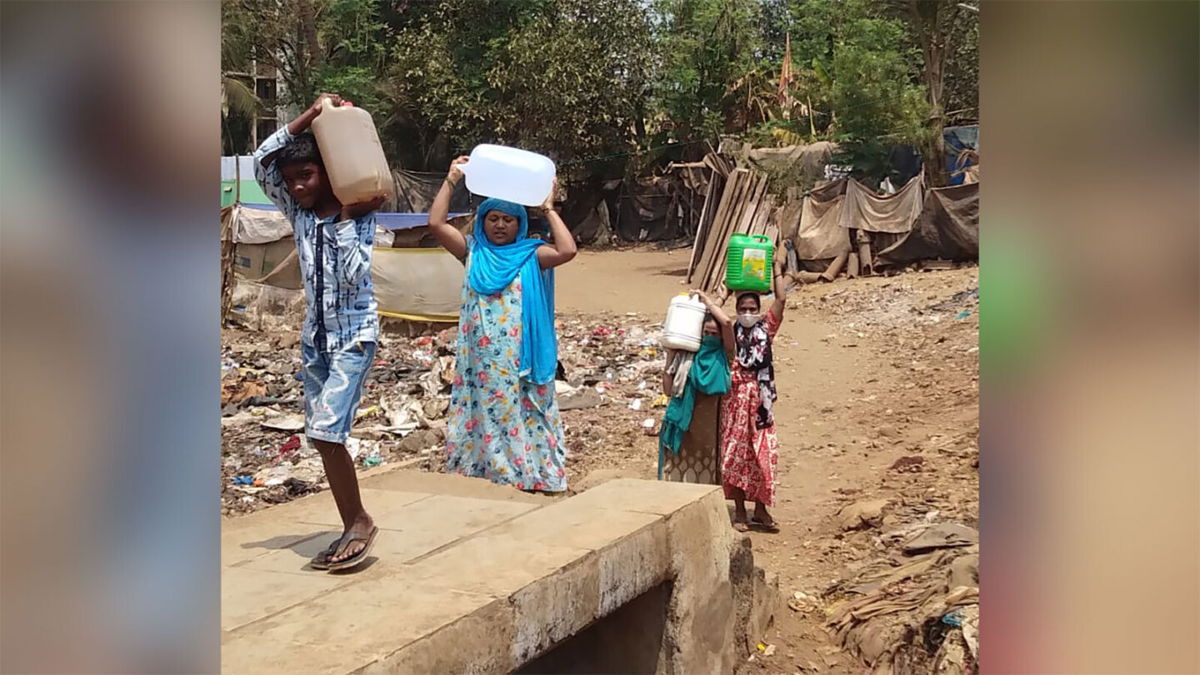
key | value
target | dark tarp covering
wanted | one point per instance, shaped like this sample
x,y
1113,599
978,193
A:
x,y
957,140
415,192
947,229
643,210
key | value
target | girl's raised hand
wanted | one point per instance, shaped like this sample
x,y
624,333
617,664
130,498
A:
x,y
548,205
456,173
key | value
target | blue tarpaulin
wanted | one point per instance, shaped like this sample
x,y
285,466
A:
x,y
390,221
957,140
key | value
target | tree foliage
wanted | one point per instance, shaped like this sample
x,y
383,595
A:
x,y
605,86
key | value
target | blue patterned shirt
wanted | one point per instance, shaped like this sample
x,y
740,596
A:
x,y
335,262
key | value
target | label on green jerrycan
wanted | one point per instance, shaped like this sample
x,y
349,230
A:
x,y
754,266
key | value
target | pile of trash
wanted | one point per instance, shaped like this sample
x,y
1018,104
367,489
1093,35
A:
x,y
908,601
915,609
266,458
610,391
609,383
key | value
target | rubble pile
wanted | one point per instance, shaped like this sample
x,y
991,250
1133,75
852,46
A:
x,y
609,382
909,602
265,457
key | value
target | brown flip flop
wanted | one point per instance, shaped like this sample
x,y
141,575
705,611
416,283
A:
x,y
771,527
356,559
321,560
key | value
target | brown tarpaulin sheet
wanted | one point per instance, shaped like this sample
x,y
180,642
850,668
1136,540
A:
x,y
809,160
862,209
947,229
819,235
415,192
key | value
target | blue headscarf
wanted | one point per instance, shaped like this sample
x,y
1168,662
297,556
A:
x,y
493,267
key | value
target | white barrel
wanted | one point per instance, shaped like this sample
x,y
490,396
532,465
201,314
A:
x,y
510,174
684,326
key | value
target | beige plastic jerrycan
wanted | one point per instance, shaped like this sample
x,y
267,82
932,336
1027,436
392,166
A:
x,y
354,160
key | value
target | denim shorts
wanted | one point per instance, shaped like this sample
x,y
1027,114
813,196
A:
x,y
333,384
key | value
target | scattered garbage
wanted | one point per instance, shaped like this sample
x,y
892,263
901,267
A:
x,y
406,398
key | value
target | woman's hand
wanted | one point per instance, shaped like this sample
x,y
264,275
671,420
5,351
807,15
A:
x,y
456,173
548,205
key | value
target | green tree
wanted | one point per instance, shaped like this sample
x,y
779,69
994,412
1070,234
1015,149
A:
x,y
934,27
565,86
962,71
706,47
874,99
239,103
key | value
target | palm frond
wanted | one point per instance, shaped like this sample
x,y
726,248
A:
x,y
239,97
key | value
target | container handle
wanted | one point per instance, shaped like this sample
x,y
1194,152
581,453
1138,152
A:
x,y
326,103
762,237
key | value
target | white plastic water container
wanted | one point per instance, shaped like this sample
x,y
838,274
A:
x,y
510,174
354,160
684,326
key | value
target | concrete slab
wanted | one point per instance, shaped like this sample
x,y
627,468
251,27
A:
x,y
453,485
628,494
346,629
470,580
248,595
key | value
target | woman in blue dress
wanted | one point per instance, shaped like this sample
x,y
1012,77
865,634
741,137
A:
x,y
504,423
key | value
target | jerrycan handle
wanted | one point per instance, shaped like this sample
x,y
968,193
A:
x,y
761,237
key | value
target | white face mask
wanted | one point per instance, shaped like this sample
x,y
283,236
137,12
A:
x,y
748,320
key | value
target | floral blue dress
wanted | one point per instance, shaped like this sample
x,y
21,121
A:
x,y
501,427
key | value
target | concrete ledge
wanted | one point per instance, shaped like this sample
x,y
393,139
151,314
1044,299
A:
x,y
474,581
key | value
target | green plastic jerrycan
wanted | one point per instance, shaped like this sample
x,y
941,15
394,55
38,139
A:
x,y
749,263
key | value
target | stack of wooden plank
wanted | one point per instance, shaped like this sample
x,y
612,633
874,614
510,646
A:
x,y
743,207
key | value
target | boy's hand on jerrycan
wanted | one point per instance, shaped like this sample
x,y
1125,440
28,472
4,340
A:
x,y
356,211
334,99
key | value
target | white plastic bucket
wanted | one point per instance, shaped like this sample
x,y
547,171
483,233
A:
x,y
510,174
684,326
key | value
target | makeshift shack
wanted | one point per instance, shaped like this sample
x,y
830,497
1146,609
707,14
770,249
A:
x,y
413,283
840,226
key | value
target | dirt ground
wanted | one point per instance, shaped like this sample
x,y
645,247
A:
x,y
868,371
878,400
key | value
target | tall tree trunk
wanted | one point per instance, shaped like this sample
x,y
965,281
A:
x,y
934,23
935,155
307,16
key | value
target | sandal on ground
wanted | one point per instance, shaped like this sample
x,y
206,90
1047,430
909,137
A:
x,y
765,525
356,559
321,560
740,525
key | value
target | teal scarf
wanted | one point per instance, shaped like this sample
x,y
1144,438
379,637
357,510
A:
x,y
709,375
494,267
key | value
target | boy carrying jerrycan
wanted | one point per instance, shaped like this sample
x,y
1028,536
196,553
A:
x,y
329,187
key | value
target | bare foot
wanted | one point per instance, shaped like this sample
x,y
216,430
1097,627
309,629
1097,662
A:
x,y
739,518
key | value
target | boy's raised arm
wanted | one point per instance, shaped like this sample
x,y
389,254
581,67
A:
x,y
266,172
